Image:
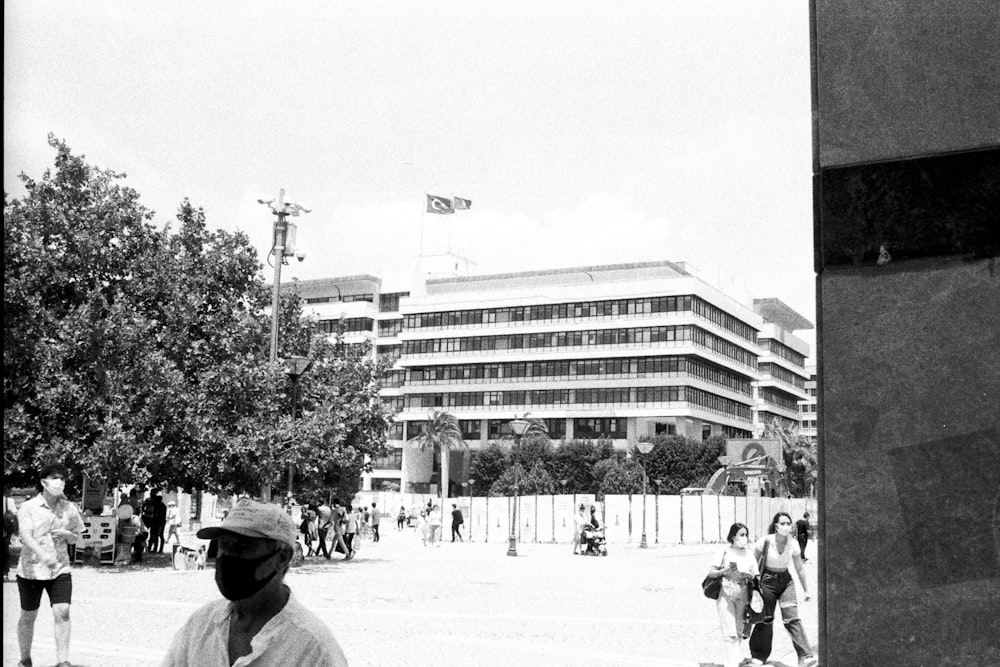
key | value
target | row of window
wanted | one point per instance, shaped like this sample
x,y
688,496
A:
x,y
347,298
778,398
782,373
613,396
580,369
350,324
779,349
583,428
641,336
389,327
391,461
581,310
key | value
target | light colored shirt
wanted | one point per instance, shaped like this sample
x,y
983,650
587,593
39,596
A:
x,y
745,563
173,518
293,636
375,517
776,561
36,518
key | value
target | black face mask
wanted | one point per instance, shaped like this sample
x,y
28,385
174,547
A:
x,y
235,576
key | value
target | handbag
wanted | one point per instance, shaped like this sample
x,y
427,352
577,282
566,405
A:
x,y
754,612
712,586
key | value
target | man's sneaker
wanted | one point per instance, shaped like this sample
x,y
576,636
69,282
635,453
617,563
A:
x,y
25,663
808,661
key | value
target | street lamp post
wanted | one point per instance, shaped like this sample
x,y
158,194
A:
x,y
296,367
472,526
658,482
518,426
282,247
644,447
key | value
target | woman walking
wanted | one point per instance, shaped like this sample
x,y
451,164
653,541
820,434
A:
x,y
778,589
737,566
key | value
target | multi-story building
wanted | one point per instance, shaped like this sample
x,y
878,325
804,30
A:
x,y
620,352
808,407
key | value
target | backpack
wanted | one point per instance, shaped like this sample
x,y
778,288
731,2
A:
x,y
148,512
10,526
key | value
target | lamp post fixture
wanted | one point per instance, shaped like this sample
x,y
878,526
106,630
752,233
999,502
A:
x,y
282,248
472,528
644,448
519,427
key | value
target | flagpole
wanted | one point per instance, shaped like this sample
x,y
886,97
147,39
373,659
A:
x,y
423,214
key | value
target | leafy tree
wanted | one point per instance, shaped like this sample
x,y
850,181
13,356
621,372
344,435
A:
x,y
140,354
575,460
681,462
619,476
488,465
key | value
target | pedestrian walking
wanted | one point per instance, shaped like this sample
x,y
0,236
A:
x,y
350,530
324,526
423,527
434,520
778,589
337,521
736,564
802,534
260,621
47,524
456,523
375,522
141,535
173,522
157,517
304,529
579,523
401,518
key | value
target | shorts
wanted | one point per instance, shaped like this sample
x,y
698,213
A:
x,y
60,591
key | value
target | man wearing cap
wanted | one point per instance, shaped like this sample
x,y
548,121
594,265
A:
x,y
260,622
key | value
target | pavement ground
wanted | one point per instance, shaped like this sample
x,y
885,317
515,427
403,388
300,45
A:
x,y
399,603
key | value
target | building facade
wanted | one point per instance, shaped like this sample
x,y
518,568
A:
x,y
619,352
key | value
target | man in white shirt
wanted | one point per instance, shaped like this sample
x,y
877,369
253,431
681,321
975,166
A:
x,y
260,622
47,524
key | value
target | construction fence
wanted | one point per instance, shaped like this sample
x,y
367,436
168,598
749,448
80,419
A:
x,y
668,519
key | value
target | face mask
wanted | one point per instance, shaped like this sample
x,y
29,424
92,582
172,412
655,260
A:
x,y
235,576
740,541
783,529
54,486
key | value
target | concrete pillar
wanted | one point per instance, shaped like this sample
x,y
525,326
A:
x,y
906,183
569,429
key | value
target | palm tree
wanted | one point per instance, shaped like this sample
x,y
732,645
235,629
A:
x,y
442,433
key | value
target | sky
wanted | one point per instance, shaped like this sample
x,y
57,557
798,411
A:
x,y
583,133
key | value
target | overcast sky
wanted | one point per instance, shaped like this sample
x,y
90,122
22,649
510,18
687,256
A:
x,y
583,132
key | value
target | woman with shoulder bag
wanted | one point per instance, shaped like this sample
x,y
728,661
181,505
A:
x,y
736,566
778,589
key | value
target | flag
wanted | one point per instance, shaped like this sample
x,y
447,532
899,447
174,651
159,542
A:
x,y
462,204
440,205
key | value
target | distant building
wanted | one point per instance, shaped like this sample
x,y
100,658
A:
x,y
620,352
808,407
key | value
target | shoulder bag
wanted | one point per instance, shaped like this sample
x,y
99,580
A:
x,y
754,611
712,586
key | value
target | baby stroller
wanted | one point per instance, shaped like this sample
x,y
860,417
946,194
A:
x,y
594,542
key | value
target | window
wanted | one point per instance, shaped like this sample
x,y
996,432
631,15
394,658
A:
x,y
391,461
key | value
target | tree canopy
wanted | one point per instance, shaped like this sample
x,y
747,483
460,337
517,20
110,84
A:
x,y
140,354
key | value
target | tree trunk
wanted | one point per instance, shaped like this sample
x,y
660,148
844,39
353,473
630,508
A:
x,y
265,492
445,465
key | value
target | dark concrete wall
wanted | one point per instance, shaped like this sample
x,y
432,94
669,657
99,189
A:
x,y
907,221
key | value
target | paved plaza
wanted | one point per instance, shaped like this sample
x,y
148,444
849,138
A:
x,y
399,603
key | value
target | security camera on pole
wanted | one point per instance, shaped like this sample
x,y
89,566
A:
x,y
283,247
